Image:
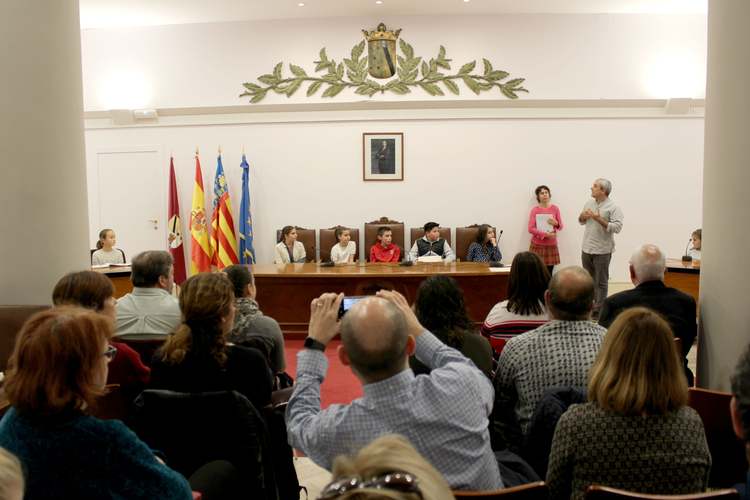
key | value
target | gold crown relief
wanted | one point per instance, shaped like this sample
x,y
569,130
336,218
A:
x,y
381,33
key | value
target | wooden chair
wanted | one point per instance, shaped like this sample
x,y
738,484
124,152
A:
x,y
465,236
729,463
328,239
144,345
417,232
371,234
531,491
12,319
307,238
597,492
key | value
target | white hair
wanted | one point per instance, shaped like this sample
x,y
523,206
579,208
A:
x,y
605,184
648,263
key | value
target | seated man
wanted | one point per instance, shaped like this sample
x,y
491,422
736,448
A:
x,y
557,354
431,244
647,266
443,414
149,309
741,412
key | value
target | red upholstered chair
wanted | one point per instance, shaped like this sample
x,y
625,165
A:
x,y
371,234
417,232
531,491
307,238
597,492
328,239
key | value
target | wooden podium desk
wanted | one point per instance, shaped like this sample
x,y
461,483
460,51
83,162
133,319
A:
x,y
286,290
683,276
120,277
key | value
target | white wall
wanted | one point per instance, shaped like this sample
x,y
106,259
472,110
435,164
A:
x,y
457,172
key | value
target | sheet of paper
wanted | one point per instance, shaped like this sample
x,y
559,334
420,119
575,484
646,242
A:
x,y
99,266
430,258
542,222
503,269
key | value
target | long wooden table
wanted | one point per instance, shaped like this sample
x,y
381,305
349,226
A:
x,y
684,276
285,291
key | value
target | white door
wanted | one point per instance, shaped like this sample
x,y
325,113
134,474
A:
x,y
132,198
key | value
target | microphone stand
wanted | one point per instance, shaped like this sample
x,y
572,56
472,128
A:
x,y
686,257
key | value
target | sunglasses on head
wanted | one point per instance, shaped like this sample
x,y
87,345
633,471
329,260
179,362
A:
x,y
395,481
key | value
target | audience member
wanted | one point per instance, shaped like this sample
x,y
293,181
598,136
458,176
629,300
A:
x,y
544,224
345,250
431,244
197,358
696,240
149,309
647,266
557,354
11,477
389,467
441,310
250,323
740,410
636,432
384,250
91,290
105,252
524,310
444,414
58,368
484,248
288,249
602,219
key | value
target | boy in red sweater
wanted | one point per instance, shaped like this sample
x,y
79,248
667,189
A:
x,y
384,250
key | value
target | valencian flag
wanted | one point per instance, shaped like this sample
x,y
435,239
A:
x,y
223,240
200,249
247,252
175,228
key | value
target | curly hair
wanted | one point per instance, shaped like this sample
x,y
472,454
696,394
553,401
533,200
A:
x,y
441,309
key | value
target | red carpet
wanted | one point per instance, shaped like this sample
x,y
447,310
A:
x,y
340,384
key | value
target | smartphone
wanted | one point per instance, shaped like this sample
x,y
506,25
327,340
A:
x,y
348,302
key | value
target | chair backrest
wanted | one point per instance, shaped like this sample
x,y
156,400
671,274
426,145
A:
x,y
465,236
194,429
328,239
371,234
12,319
144,345
530,491
729,462
417,232
596,492
307,238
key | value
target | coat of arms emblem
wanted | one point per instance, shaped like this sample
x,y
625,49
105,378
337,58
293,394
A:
x,y
381,51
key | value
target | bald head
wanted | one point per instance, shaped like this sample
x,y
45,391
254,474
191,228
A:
x,y
570,295
374,336
648,263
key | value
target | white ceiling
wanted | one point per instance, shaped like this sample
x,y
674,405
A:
x,y
122,13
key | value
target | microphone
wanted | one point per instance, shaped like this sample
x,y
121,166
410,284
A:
x,y
686,257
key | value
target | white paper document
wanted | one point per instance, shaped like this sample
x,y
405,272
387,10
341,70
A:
x,y
542,222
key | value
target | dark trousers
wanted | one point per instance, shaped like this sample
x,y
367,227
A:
x,y
598,267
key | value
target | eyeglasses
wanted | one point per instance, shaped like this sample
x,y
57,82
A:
x,y
396,481
110,352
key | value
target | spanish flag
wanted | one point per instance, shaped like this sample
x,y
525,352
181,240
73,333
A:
x,y
223,240
200,251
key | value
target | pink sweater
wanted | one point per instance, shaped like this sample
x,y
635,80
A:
x,y
536,235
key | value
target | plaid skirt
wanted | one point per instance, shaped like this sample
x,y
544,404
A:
x,y
549,254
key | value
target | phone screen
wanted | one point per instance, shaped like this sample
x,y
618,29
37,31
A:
x,y
348,302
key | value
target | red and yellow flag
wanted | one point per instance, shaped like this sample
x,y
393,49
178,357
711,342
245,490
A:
x,y
224,239
200,249
174,238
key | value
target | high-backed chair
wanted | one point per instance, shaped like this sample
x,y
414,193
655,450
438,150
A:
x,y
596,492
12,319
144,345
417,232
727,451
328,239
307,238
530,491
465,236
371,234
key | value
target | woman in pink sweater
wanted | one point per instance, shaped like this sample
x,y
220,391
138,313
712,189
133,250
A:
x,y
544,224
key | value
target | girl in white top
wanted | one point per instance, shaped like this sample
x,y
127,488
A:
x,y
289,250
343,252
696,238
106,252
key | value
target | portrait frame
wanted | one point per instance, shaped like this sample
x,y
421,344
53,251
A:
x,y
383,156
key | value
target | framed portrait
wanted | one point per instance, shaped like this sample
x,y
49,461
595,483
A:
x,y
383,156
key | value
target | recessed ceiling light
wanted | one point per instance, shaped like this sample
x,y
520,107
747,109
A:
x,y
300,4
379,2
467,1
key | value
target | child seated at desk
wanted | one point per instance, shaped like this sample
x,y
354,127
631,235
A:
x,y
343,252
383,250
106,253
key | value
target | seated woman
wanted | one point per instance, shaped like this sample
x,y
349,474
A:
x,y
249,321
91,290
484,248
197,357
441,310
345,250
388,467
288,249
58,368
524,310
105,252
636,432
696,240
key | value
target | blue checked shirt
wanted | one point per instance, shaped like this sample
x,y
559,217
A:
x,y
443,414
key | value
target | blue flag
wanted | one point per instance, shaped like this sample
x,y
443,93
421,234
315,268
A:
x,y
247,252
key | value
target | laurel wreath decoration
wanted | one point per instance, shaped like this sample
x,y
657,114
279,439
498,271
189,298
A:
x,y
408,72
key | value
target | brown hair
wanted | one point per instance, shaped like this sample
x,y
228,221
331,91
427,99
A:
x,y
339,231
205,299
102,235
53,365
527,283
87,289
638,370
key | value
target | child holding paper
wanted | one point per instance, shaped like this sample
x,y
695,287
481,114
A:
x,y
544,224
